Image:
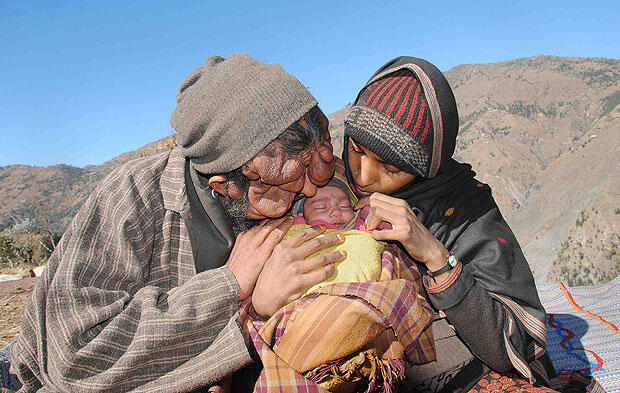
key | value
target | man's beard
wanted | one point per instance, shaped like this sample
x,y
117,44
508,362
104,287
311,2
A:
x,y
237,209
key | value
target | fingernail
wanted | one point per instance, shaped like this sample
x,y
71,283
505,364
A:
x,y
343,253
365,226
341,237
324,226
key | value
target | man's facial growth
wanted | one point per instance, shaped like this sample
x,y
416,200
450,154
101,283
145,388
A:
x,y
297,162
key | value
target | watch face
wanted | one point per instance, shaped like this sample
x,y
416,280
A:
x,y
452,261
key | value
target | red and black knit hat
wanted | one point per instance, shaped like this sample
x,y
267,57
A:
x,y
397,115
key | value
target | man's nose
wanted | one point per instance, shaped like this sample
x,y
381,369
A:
x,y
322,164
309,189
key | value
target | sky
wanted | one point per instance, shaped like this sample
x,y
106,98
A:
x,y
82,82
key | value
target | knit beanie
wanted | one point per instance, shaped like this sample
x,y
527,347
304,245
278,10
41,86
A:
x,y
391,119
406,113
231,109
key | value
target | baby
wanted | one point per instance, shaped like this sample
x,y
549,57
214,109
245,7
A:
x,y
332,207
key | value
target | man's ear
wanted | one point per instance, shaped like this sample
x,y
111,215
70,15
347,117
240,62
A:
x,y
218,183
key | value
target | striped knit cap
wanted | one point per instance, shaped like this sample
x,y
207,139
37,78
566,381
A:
x,y
391,118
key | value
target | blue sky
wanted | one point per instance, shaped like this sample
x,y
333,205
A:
x,y
82,81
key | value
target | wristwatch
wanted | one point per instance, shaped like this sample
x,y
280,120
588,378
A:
x,y
450,264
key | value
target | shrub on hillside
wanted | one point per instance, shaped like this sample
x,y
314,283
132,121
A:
x,y
23,247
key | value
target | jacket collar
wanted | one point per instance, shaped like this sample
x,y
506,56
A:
x,y
172,183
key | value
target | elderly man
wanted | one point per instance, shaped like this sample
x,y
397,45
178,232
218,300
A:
x,y
143,291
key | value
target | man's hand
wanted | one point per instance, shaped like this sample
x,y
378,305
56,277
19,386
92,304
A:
x,y
287,274
252,248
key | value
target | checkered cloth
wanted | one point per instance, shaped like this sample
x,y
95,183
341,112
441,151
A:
x,y
340,331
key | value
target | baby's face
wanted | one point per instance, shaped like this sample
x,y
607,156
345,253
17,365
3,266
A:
x,y
330,205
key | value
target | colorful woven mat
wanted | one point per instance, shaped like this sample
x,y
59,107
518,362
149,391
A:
x,y
7,381
583,329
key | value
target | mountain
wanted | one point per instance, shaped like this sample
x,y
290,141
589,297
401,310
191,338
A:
x,y
57,191
539,130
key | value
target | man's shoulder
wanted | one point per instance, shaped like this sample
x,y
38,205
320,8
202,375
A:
x,y
154,164
157,165
145,175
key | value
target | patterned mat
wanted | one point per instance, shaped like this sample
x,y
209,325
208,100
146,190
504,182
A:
x,y
7,381
583,329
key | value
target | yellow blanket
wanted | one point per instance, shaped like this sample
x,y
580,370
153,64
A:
x,y
363,260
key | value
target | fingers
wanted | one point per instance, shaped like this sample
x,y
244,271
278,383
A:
x,y
269,229
302,236
378,197
317,244
386,234
315,277
318,261
378,214
277,233
361,203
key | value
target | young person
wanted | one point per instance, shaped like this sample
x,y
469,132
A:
x,y
399,139
331,206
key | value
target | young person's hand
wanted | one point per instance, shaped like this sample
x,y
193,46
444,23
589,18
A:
x,y
287,273
406,229
252,248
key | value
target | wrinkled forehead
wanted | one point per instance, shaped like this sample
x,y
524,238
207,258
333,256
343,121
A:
x,y
274,165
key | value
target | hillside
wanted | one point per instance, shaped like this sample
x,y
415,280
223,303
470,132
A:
x,y
57,190
539,130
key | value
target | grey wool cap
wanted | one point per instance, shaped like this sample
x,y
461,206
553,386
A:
x,y
230,109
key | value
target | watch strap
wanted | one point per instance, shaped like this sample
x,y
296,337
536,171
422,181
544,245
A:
x,y
450,264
